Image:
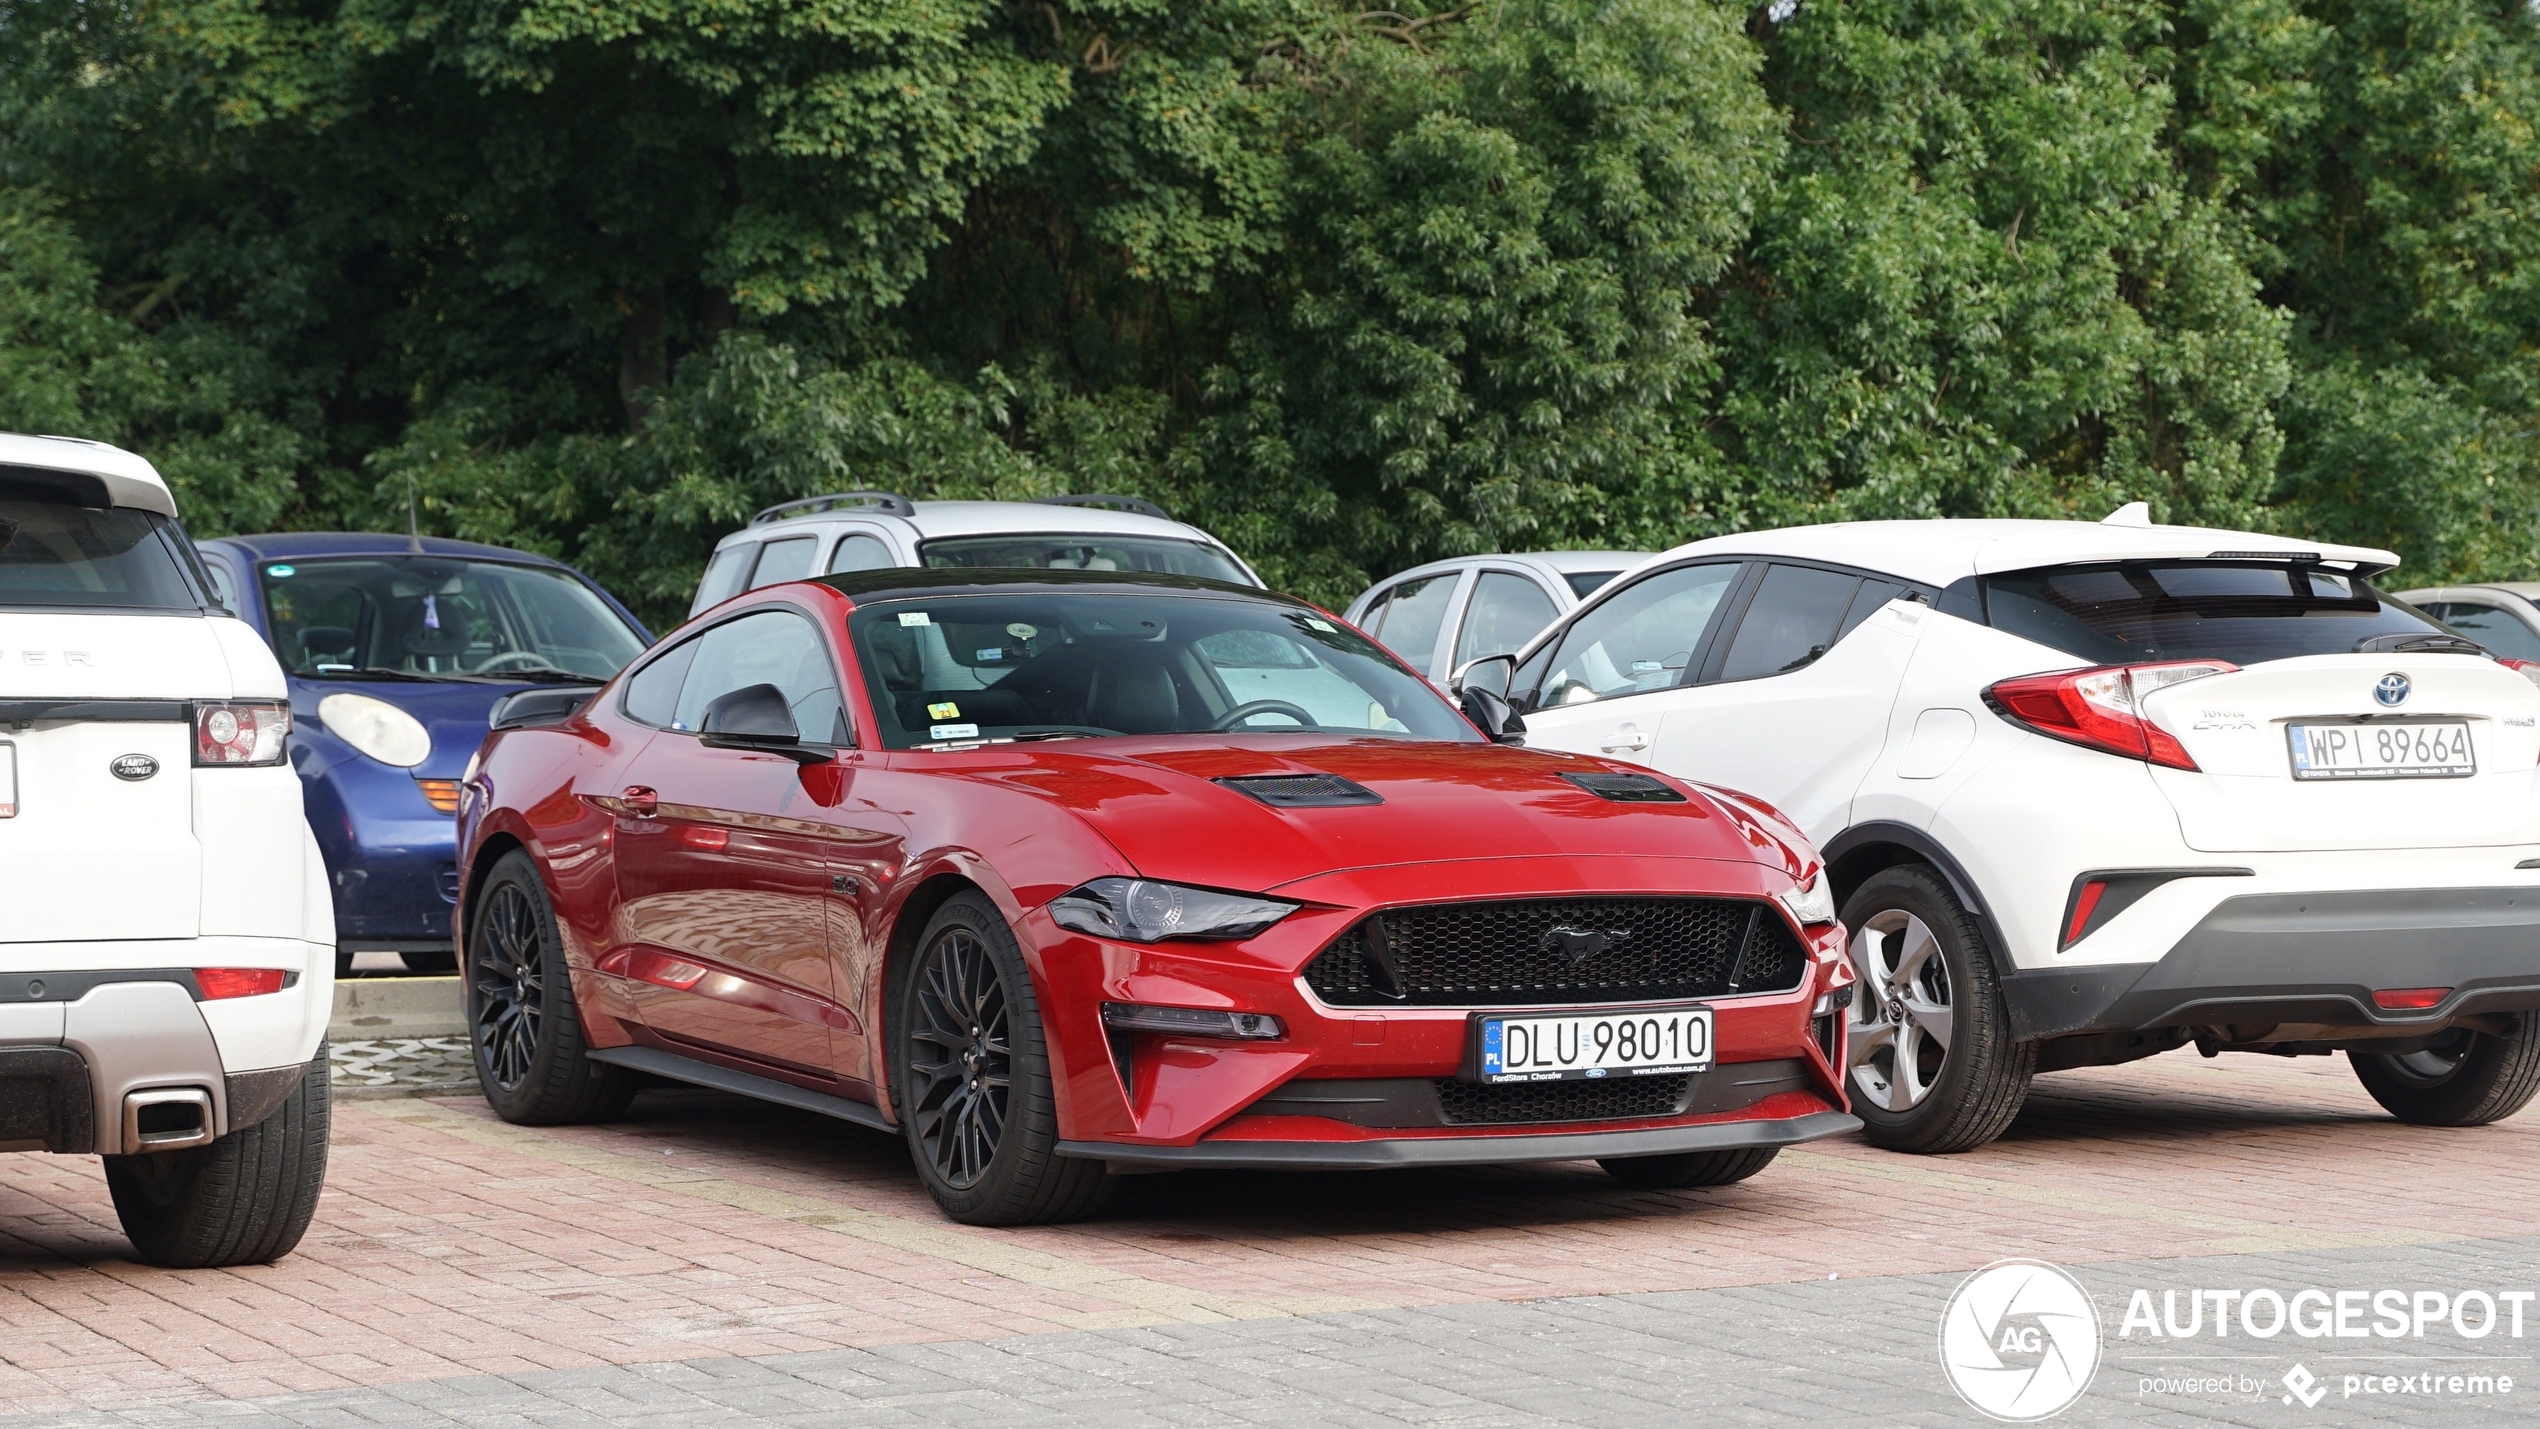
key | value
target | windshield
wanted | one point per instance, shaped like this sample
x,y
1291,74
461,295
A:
x,y
2245,613
441,617
970,668
55,554
1083,553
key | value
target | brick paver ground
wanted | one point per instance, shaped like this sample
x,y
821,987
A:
x,y
711,1259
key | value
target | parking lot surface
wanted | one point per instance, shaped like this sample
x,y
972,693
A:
x,y
710,1260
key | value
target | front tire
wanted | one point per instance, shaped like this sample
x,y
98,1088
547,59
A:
x,y
971,1079
523,1026
1934,1068
1687,1169
243,1200
2467,1079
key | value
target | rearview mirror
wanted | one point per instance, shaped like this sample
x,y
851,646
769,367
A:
x,y
1492,715
1491,672
757,718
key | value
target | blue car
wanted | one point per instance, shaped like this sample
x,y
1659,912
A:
x,y
397,649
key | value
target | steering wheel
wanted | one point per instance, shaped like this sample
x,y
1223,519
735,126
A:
x,y
1243,712
515,660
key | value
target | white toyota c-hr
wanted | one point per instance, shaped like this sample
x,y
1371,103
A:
x,y
2090,792
167,943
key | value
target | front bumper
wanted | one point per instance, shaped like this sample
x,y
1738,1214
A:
x,y
1502,1150
2305,959
391,857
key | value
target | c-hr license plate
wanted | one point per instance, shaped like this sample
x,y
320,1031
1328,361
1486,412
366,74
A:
x,y
2424,749
1617,1042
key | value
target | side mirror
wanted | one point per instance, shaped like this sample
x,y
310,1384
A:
x,y
1491,672
756,717
1492,715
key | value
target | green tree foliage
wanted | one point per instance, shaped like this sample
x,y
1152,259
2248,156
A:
x,y
1355,288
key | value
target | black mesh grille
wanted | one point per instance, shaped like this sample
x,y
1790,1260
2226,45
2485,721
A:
x,y
1604,1099
1523,952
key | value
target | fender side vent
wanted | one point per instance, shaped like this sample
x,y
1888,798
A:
x,y
1626,788
1302,791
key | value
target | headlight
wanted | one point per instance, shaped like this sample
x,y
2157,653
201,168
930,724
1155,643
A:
x,y
1140,910
1810,902
376,728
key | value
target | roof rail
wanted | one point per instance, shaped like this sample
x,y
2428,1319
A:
x,y
889,503
1136,505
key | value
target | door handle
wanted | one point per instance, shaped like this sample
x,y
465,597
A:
x,y
641,800
1625,738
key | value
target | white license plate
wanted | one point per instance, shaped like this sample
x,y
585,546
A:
x,y
8,780
1555,1047
2435,750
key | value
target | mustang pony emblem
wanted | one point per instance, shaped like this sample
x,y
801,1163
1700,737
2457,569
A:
x,y
1580,944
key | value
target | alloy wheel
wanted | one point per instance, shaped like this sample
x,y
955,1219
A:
x,y
509,982
2432,1066
961,1058
1901,1015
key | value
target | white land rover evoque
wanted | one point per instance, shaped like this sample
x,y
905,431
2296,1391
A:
x,y
166,941
2089,792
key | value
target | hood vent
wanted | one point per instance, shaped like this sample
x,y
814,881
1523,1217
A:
x,y
1302,791
1626,788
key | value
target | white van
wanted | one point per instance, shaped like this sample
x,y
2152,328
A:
x,y
167,953
877,530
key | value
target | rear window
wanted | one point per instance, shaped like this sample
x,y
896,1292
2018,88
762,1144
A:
x,y
54,554
1082,553
2243,612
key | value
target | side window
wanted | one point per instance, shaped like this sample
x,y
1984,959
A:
x,y
724,575
2493,628
1504,613
786,560
652,693
771,647
1791,621
1412,617
1639,640
860,553
224,589
1873,595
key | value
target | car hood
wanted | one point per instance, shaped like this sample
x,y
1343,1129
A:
x,y
1157,802
455,712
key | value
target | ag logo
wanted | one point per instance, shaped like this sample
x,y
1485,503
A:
x,y
133,768
2020,1341
2391,689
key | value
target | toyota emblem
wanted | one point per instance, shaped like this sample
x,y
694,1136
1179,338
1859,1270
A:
x,y
133,768
2391,689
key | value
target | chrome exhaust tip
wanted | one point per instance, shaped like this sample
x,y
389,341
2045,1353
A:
x,y
166,1119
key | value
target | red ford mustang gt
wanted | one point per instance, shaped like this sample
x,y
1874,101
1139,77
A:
x,y
1060,873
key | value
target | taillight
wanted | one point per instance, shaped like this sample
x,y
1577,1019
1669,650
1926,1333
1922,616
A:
x,y
240,732
217,983
2102,708
2528,669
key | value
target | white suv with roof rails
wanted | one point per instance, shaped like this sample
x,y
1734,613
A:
x,y
2090,792
167,959
877,530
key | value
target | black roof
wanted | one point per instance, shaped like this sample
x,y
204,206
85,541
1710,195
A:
x,y
899,582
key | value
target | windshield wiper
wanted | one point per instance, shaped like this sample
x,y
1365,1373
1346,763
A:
x,y
1025,736
383,672
547,676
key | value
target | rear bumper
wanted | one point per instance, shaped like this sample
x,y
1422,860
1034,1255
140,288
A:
x,y
1502,1150
2305,958
85,1044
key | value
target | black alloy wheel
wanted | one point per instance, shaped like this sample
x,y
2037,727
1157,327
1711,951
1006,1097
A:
x,y
511,998
961,1058
531,1060
2463,1077
970,1077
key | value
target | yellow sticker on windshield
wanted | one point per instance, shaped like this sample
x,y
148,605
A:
x,y
945,710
